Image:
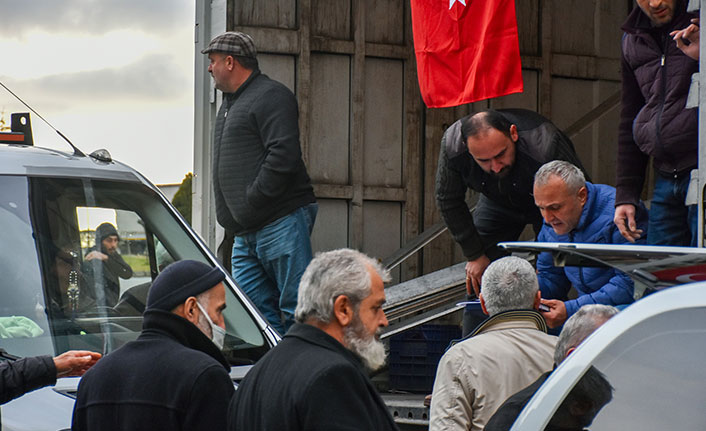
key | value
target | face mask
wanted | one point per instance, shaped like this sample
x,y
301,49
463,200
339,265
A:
x,y
218,334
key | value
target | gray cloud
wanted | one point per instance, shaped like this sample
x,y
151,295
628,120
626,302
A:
x,y
153,79
91,16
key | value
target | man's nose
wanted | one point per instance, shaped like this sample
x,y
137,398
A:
x,y
383,321
496,167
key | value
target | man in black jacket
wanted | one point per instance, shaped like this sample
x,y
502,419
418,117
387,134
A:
x,y
17,377
495,153
315,379
262,189
104,267
174,376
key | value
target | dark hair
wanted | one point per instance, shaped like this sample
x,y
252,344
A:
x,y
249,63
474,124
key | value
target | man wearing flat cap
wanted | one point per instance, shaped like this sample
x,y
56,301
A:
x,y
174,376
263,191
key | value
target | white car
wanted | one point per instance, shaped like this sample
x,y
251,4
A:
x,y
653,353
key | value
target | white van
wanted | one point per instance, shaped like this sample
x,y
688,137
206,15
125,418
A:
x,y
50,205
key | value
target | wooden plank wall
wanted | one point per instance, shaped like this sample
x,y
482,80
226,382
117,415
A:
x,y
371,146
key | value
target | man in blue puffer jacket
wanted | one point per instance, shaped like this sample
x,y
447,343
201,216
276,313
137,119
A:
x,y
575,210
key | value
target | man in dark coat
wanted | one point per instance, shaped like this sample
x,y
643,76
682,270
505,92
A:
x,y
263,194
656,124
19,376
589,395
495,153
315,379
174,376
104,266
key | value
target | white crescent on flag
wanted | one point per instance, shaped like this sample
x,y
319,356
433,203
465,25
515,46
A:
x,y
451,3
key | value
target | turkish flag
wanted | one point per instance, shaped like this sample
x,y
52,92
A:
x,y
467,50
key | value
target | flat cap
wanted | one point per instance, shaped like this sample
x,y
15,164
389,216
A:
x,y
234,43
179,281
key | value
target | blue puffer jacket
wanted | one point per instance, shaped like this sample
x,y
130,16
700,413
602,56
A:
x,y
594,285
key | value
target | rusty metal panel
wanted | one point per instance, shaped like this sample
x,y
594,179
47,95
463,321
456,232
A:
x,y
270,13
574,27
527,12
331,226
331,18
382,228
330,119
527,99
383,115
279,67
605,151
384,21
596,146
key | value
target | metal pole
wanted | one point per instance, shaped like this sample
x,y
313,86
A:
x,y
210,21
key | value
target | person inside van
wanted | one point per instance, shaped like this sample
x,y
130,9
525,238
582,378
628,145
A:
x,y
105,266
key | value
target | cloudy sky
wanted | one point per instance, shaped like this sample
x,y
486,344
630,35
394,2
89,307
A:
x,y
107,74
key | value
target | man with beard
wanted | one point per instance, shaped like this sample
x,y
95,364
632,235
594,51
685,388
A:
x,y
316,379
504,354
104,266
495,153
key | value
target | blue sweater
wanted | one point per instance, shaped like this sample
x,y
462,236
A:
x,y
594,285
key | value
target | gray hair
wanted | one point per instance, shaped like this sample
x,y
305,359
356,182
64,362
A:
x,y
509,283
569,173
330,275
579,326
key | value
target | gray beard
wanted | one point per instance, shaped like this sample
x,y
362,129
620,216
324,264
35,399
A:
x,y
368,347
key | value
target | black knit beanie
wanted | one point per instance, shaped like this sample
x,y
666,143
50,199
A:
x,y
181,280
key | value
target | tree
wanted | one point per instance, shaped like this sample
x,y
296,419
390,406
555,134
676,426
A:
x,y
182,198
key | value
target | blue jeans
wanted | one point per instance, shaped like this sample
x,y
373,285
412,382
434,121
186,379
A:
x,y
268,264
671,222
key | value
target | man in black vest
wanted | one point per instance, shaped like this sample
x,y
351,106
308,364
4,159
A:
x,y
495,153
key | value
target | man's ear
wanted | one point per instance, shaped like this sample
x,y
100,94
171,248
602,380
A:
x,y
343,310
583,195
482,303
513,133
537,299
190,310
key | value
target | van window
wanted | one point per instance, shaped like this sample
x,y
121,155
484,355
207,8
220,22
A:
x,y
78,259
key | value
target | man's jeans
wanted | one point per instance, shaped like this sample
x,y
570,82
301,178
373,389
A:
x,y
268,264
671,222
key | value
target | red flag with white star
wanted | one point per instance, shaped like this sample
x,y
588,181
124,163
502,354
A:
x,y
467,50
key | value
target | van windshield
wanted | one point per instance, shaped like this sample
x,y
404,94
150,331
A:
x,y
78,257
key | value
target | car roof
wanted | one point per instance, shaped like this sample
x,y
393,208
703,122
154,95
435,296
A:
x,y
546,400
37,161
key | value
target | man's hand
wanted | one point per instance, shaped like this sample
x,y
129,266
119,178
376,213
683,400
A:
x,y
75,362
474,272
95,254
556,316
690,33
624,219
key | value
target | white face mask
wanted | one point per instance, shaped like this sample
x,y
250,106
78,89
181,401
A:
x,y
218,334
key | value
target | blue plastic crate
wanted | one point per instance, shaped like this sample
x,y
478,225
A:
x,y
415,354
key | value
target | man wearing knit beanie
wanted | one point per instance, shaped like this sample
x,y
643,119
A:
x,y
174,376
104,266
